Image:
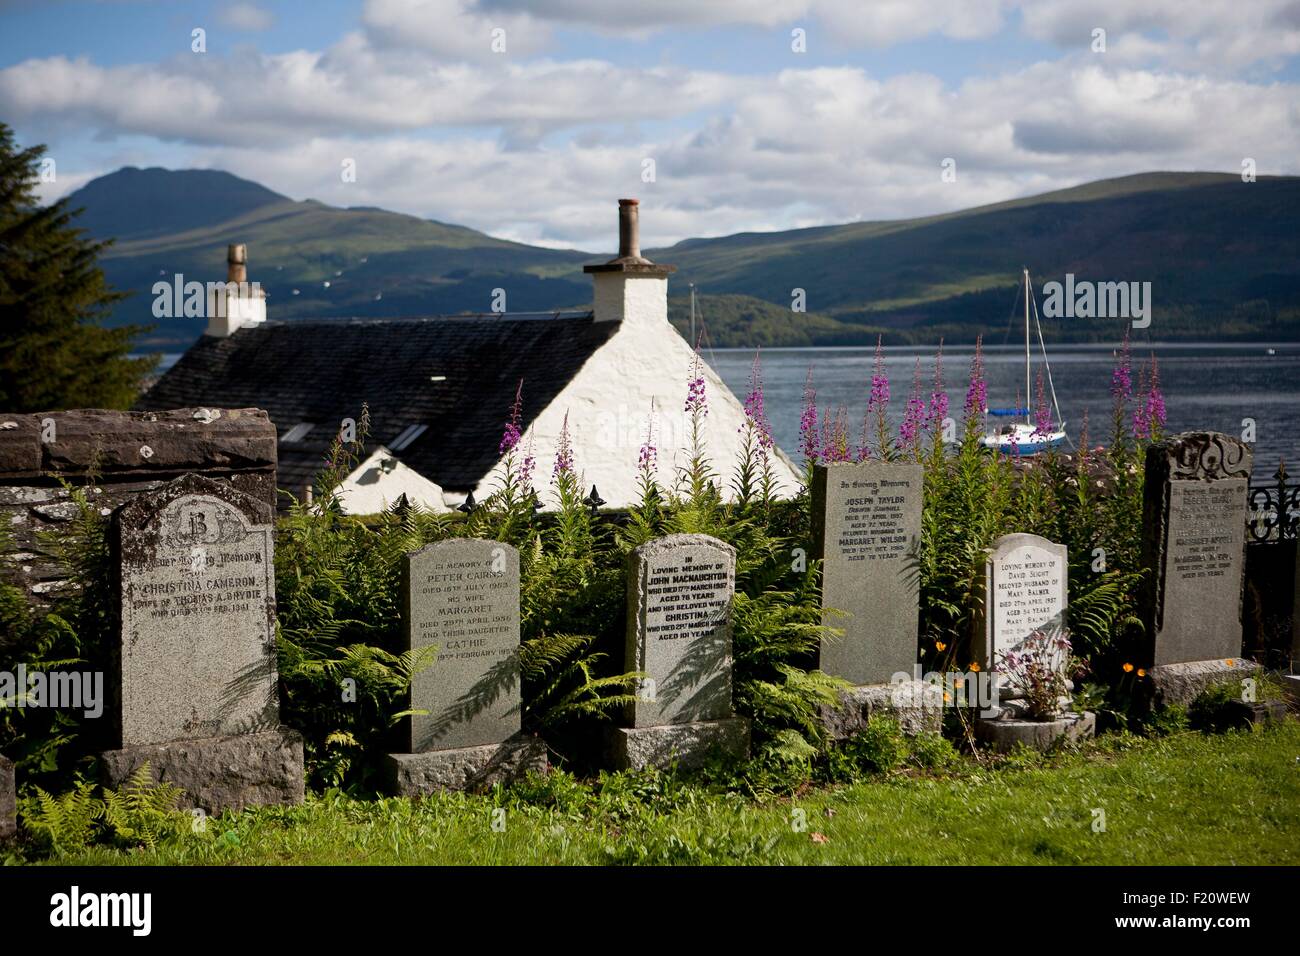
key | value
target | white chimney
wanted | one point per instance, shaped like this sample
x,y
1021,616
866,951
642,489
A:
x,y
630,288
235,303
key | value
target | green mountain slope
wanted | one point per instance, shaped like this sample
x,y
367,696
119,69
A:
x,y
375,262
1223,258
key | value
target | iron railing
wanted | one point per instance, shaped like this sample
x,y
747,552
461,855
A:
x,y
1274,510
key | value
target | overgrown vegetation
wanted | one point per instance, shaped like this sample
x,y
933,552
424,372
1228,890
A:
x,y
345,674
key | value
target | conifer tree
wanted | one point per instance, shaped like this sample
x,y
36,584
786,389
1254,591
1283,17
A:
x,y
55,352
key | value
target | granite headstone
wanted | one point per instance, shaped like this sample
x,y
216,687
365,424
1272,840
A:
x,y
866,532
462,599
1026,589
462,609
194,676
679,597
1194,519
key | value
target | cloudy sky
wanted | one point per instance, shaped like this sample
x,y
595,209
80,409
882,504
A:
x,y
527,118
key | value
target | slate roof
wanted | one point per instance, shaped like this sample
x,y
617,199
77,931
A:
x,y
454,374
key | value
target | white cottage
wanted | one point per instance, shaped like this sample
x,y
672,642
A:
x,y
440,389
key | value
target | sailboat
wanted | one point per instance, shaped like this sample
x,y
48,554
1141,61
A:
x,y
1023,438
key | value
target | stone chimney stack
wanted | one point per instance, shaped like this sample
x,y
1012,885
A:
x,y
235,303
237,263
629,287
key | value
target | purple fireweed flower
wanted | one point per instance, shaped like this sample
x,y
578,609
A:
x,y
938,397
1155,398
835,436
879,383
695,398
977,395
1121,379
528,464
808,434
755,417
648,459
913,412
511,436
1141,420
563,452
1043,412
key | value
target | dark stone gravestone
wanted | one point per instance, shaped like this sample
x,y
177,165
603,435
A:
x,y
194,676
462,608
866,532
679,596
1194,540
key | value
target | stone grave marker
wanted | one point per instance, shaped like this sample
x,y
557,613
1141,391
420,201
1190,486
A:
x,y
1195,510
866,532
1026,581
462,607
194,676
1026,589
680,590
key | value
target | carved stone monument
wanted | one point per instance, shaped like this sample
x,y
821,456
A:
x,y
1194,513
866,532
679,595
1026,595
462,609
1026,581
194,676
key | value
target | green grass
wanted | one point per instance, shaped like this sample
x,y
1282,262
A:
x,y
1185,799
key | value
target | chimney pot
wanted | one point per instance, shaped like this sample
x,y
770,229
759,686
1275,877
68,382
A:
x,y
629,229
237,262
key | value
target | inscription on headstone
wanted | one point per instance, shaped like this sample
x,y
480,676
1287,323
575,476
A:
x,y
1026,579
680,589
197,613
866,529
1195,512
463,598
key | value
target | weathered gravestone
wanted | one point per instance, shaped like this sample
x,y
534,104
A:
x,y
866,532
1026,589
679,595
1194,515
194,676
8,800
1026,595
462,608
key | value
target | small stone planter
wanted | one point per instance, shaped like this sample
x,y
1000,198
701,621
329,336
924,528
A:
x,y
1004,733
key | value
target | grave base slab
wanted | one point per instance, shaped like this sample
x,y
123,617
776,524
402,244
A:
x,y
1177,685
1003,734
219,773
688,745
8,800
1260,712
916,705
466,768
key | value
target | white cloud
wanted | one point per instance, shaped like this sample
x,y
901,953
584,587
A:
x,y
1207,35
245,16
537,148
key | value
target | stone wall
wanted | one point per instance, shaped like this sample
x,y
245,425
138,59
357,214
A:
x,y
114,456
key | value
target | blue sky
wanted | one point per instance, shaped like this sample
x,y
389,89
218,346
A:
x,y
534,141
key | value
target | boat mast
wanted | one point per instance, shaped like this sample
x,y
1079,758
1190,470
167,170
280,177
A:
x,y
1027,293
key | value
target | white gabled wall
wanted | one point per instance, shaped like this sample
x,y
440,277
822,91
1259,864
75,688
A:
x,y
609,400
369,489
